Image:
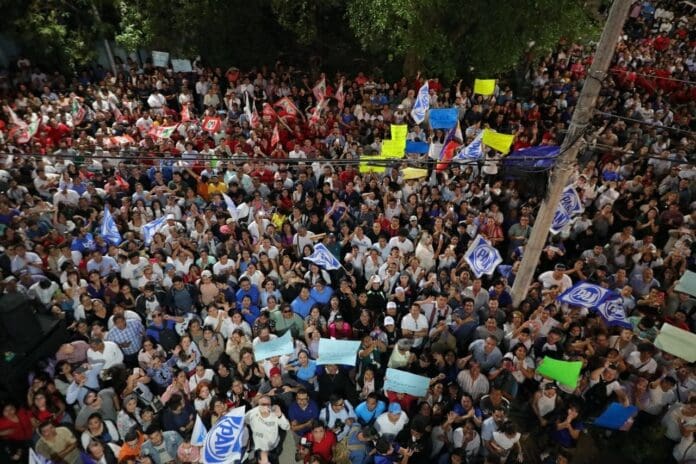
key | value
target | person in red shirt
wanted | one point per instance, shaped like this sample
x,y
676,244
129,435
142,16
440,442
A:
x,y
15,424
320,442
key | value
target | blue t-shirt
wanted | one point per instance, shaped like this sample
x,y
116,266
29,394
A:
x,y
296,413
365,416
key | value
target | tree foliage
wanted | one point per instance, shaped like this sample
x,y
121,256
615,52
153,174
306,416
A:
x,y
439,37
58,33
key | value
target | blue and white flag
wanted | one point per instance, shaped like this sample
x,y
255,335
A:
x,y
223,444
613,312
471,152
231,207
420,107
585,295
151,228
561,218
322,257
570,200
482,257
199,432
109,230
36,458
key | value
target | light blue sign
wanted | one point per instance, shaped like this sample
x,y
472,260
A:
x,y
276,347
405,382
343,352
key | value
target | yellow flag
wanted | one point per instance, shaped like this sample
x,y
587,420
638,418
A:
x,y
393,149
484,86
399,133
497,141
415,173
365,167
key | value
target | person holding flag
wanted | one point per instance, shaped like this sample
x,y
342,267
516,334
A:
x,y
109,229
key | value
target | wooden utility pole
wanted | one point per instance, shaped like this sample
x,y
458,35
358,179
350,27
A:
x,y
570,147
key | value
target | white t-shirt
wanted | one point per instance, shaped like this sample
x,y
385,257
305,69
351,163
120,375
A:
x,y
648,367
505,442
547,280
389,429
414,325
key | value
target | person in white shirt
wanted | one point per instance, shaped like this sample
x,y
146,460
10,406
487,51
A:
x,y
103,354
264,422
641,361
556,277
66,196
26,261
414,326
391,422
133,268
402,243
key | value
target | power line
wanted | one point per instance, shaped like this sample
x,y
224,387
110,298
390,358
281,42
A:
x,y
647,123
652,76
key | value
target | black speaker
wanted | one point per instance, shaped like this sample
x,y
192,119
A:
x,y
19,324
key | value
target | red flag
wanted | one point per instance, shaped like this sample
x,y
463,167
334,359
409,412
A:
x,y
269,112
446,155
320,89
77,112
162,132
255,120
340,96
288,106
316,113
212,124
185,113
275,138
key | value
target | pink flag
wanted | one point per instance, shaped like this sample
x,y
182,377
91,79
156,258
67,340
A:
x,y
275,138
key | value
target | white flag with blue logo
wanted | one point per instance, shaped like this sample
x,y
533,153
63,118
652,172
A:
x,y
199,432
613,312
109,230
420,107
36,458
322,257
561,218
482,257
231,207
223,443
585,295
471,152
571,201
151,228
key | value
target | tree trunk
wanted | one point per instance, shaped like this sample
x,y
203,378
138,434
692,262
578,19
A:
x,y
412,64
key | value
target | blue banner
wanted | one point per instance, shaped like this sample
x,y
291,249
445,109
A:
x,y
276,347
417,147
443,118
613,312
615,416
571,201
539,157
343,352
405,382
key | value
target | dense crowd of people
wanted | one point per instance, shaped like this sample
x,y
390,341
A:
x,y
163,326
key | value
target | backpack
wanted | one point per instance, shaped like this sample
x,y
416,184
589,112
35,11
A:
x,y
596,398
341,453
168,339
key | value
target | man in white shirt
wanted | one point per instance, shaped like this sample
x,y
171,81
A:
x,y
66,196
26,260
133,268
414,326
556,277
391,422
104,265
103,354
